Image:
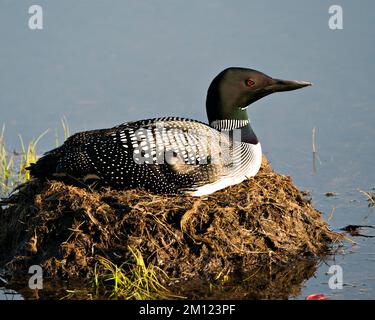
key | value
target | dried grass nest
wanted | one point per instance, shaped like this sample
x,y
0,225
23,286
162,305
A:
x,y
65,229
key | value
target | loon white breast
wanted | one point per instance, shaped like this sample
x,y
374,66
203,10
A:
x,y
173,155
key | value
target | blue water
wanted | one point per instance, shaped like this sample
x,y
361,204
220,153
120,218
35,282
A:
x,y
100,63
9,294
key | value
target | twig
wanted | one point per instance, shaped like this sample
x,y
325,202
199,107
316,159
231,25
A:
x,y
313,140
331,214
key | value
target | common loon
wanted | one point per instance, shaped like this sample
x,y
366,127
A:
x,y
173,155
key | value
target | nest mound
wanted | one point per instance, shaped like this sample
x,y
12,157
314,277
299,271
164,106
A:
x,y
65,229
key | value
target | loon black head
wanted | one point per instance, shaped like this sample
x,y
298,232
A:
x,y
234,89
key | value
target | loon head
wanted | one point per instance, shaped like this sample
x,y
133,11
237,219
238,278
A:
x,y
234,89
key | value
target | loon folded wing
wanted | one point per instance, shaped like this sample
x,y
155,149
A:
x,y
184,152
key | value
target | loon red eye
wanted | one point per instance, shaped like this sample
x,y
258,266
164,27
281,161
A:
x,y
249,83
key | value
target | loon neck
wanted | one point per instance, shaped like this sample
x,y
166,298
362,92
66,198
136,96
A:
x,y
232,125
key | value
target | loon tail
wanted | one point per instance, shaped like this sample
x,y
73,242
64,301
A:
x,y
45,167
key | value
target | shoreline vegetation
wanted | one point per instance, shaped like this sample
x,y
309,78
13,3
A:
x,y
13,164
259,239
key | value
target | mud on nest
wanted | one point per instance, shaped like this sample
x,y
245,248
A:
x,y
65,229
